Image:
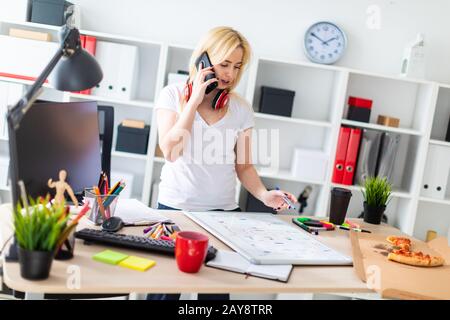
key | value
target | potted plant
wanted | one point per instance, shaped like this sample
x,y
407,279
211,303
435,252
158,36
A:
x,y
377,195
40,227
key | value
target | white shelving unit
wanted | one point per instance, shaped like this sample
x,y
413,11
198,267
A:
x,y
320,108
373,126
133,103
440,143
139,108
266,116
128,155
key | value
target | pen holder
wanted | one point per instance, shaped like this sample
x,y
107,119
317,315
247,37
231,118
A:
x,y
65,252
102,206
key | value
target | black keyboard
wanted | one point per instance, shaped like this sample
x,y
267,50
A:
x,y
133,242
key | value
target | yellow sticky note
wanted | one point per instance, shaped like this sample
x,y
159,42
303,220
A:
x,y
136,263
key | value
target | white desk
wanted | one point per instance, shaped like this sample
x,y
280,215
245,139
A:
x,y
95,277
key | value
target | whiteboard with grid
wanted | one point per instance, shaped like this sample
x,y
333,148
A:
x,y
262,238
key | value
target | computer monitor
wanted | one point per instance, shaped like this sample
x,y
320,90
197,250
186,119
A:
x,y
54,136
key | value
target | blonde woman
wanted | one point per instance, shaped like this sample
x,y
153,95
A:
x,y
206,137
206,148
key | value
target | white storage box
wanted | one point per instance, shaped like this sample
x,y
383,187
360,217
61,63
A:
x,y
119,63
310,165
24,58
436,174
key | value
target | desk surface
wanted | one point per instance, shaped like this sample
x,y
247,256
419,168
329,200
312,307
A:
x,y
164,277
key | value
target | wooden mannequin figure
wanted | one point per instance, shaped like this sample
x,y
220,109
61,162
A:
x,y
61,187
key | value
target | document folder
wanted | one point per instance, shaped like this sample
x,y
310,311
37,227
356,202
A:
x,y
368,155
387,155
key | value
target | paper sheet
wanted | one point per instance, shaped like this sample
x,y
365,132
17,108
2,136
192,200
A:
x,y
133,211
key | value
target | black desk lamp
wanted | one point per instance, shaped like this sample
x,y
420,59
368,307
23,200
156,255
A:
x,y
75,70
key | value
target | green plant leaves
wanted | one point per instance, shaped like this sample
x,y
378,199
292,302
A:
x,y
39,226
377,191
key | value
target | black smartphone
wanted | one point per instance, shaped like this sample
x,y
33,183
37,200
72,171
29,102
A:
x,y
206,63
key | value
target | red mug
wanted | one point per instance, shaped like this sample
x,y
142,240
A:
x,y
190,250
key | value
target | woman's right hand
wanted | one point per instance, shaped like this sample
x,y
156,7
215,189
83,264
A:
x,y
199,85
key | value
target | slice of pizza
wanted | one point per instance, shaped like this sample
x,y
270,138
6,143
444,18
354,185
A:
x,y
418,259
400,242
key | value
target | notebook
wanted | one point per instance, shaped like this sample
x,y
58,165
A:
x,y
233,261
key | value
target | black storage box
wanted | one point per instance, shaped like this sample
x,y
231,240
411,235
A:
x,y
49,11
359,109
448,132
254,205
276,101
132,140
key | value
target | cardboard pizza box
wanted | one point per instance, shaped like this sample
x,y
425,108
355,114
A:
x,y
399,281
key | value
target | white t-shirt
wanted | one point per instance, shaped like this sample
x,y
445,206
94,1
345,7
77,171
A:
x,y
204,176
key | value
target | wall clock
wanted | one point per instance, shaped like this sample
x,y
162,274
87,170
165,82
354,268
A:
x,y
324,42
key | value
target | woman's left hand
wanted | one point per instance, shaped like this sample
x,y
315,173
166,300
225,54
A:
x,y
274,199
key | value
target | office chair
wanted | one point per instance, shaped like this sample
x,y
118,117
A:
x,y
106,129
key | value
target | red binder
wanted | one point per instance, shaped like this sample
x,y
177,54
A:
x,y
341,152
83,40
90,44
352,155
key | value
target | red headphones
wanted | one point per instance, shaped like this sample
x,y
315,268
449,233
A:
x,y
219,101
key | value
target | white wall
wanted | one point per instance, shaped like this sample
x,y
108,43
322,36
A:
x,y
276,28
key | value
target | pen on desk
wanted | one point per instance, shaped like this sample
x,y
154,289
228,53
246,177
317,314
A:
x,y
354,229
152,229
175,230
328,225
154,233
352,225
146,230
166,231
361,230
160,232
308,229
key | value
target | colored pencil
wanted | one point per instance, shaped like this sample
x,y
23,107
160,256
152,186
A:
x,y
100,202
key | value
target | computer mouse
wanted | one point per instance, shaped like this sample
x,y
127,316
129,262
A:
x,y
112,224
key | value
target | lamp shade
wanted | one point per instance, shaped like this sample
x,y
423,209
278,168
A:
x,y
80,71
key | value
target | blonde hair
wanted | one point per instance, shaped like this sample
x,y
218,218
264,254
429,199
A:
x,y
219,43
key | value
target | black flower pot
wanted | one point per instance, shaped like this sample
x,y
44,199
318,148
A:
x,y
35,265
372,214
